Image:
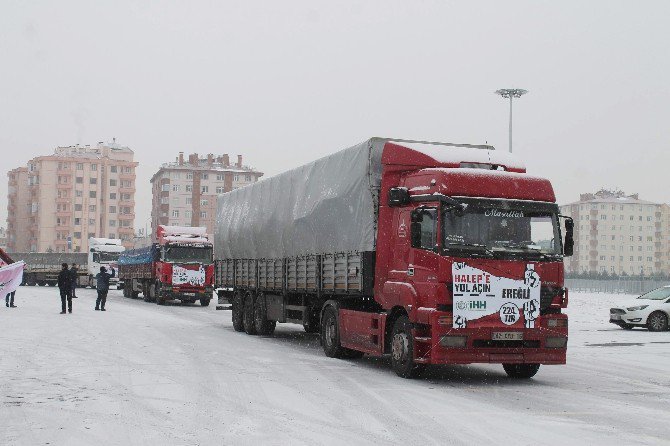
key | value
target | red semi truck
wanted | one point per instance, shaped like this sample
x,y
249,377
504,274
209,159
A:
x,y
179,266
434,253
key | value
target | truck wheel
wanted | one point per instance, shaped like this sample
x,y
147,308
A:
x,y
330,336
521,371
402,350
125,292
146,294
204,302
262,325
248,315
238,312
657,321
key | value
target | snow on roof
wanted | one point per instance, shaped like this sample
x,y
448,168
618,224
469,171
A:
x,y
458,153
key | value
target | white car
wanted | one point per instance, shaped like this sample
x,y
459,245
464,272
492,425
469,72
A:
x,y
651,310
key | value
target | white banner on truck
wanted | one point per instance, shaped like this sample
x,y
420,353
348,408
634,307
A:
x,y
501,301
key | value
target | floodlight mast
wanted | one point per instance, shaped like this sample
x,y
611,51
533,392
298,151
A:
x,y
511,93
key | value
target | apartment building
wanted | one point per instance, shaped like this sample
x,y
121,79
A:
x,y
618,233
184,191
58,201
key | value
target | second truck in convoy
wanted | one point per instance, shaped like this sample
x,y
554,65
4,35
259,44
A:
x,y
433,253
179,266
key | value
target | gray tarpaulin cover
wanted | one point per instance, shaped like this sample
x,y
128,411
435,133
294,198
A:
x,y
328,205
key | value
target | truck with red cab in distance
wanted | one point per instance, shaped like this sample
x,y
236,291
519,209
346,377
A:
x,y
178,266
434,253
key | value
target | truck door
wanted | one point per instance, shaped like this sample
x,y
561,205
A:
x,y
422,270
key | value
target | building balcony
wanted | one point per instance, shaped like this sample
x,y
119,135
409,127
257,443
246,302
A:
x,y
126,216
126,230
61,242
64,185
127,176
63,213
128,203
126,190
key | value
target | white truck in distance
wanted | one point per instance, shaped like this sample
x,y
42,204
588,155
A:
x,y
103,252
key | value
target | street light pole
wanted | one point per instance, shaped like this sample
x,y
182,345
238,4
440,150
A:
x,y
511,93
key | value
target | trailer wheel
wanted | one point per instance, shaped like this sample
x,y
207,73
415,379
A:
x,y
248,315
204,302
238,312
402,350
521,371
330,336
262,325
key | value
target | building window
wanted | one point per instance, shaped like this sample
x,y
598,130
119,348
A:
x,y
77,235
92,194
236,178
112,209
175,214
91,208
80,166
188,214
203,214
112,169
189,176
77,207
93,180
78,193
112,182
220,177
112,223
112,195
204,176
204,189
220,189
204,202
94,166
176,175
77,221
165,200
247,178
189,200
91,221
112,235
189,188
176,188
79,180
91,234
128,169
165,188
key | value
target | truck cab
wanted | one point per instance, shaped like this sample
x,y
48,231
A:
x,y
103,252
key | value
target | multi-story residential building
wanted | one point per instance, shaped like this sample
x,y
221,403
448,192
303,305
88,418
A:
x,y
618,233
184,191
58,201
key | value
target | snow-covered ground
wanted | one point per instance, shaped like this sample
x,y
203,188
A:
x,y
140,374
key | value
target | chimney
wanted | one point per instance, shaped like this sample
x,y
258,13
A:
x,y
210,159
219,159
181,158
239,161
226,160
193,159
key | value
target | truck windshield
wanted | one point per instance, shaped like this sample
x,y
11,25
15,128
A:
x,y
104,257
519,229
189,254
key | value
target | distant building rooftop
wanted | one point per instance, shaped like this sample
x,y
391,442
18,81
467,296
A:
x,y
611,196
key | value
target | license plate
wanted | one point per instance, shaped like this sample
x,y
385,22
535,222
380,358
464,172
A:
x,y
615,317
189,294
507,336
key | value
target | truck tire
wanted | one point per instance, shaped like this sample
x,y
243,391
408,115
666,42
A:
x,y
126,293
657,321
263,326
330,336
402,350
204,302
521,371
238,311
248,314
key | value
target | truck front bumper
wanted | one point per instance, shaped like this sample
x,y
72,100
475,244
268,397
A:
x,y
187,294
543,344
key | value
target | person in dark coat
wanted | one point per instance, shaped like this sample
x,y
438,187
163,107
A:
x,y
65,288
9,299
73,277
102,285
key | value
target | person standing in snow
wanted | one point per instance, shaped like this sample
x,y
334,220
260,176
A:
x,y
102,285
65,288
74,276
9,299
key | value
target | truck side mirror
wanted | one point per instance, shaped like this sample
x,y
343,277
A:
x,y
415,233
569,240
398,196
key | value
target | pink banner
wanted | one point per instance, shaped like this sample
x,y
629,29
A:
x,y
11,277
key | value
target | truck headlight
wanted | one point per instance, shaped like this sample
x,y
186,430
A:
x,y
638,308
453,341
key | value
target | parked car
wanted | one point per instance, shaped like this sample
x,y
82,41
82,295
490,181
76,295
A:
x,y
651,310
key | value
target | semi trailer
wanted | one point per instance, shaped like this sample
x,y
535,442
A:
x,y
178,266
42,268
432,253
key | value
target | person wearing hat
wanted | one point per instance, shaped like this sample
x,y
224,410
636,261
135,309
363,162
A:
x,y
102,285
65,288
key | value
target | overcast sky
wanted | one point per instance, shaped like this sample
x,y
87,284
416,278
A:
x,y
285,82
